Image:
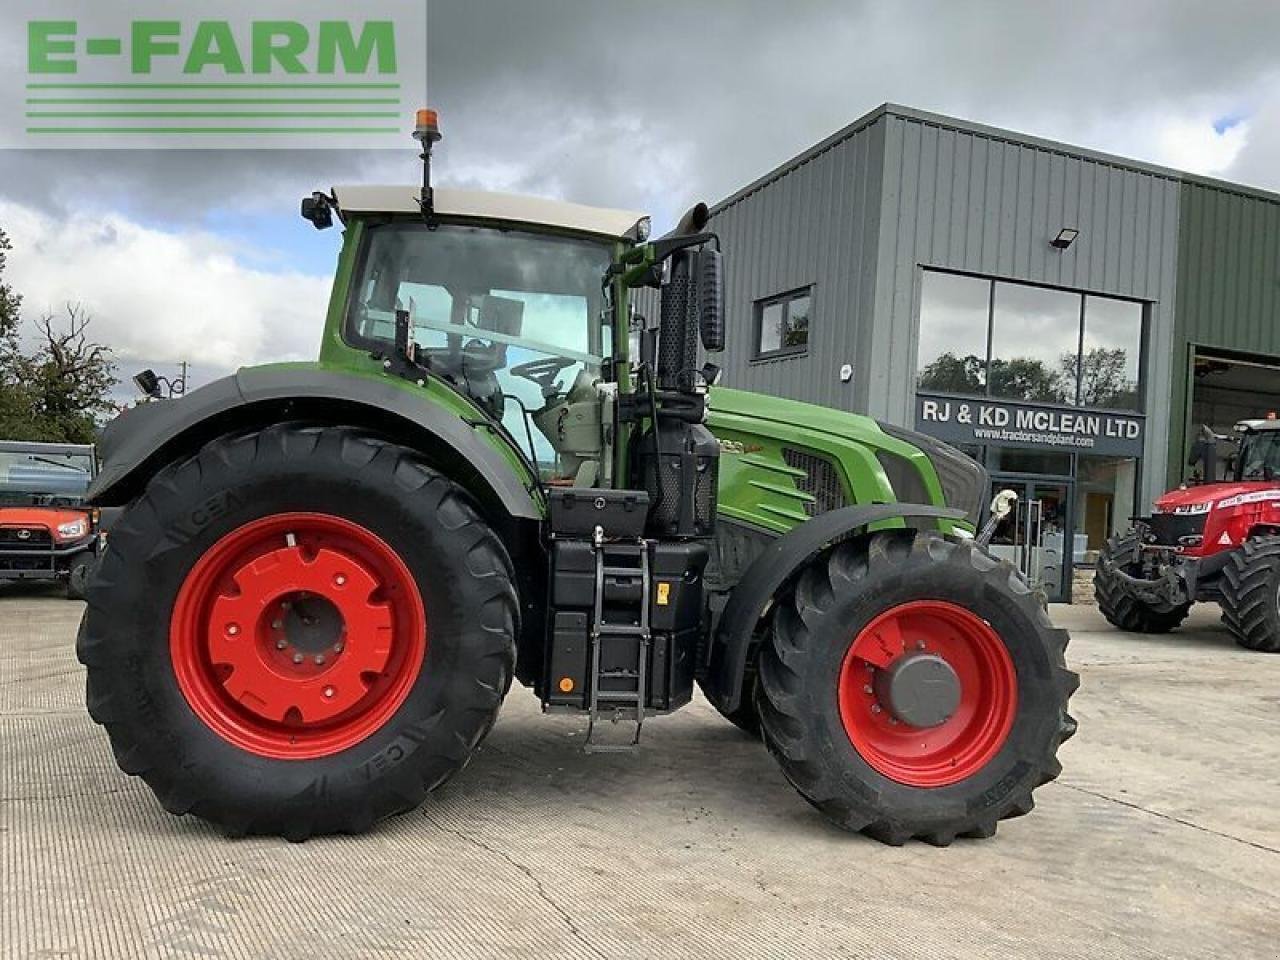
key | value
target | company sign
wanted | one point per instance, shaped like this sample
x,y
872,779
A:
x,y
231,74
1033,426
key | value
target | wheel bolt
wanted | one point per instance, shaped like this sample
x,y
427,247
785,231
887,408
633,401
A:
x,y
319,658
328,692
340,579
297,658
875,708
276,624
337,648
867,689
232,629
919,644
281,643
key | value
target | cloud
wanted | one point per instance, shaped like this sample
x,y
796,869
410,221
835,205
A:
x,y
156,296
647,107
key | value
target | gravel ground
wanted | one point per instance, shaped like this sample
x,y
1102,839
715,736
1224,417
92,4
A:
x,y
1161,839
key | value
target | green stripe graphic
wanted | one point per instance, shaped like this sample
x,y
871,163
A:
x,y
215,85
371,115
183,100
254,130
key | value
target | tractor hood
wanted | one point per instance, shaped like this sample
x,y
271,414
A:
x,y
1184,498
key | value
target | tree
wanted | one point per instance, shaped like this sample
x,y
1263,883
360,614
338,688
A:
x,y
61,391
1103,380
65,386
952,374
1023,378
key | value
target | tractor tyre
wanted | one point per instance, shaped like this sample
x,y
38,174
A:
x,y
913,686
300,630
78,575
1251,594
746,716
1120,608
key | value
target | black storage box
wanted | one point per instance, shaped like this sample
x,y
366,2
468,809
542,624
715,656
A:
x,y
577,511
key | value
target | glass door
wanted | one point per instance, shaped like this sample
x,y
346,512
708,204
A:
x,y
1036,537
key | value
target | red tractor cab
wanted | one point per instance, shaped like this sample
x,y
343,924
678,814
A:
x,y
46,531
1215,540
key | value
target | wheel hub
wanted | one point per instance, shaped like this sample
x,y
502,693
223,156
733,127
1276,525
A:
x,y
297,635
927,693
920,689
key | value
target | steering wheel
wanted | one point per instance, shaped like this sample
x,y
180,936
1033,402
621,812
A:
x,y
543,372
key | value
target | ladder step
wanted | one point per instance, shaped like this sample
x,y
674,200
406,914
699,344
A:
x,y
620,674
619,630
623,571
618,696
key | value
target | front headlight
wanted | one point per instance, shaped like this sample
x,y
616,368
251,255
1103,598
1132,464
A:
x,y
76,528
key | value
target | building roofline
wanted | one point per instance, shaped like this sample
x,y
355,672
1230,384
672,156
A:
x,y
990,133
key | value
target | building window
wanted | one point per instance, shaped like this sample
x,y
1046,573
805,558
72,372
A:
x,y
954,311
782,324
1112,344
1014,341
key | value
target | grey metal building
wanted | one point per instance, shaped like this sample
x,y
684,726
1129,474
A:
x,y
1064,315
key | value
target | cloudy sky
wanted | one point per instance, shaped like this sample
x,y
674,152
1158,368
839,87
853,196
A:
x,y
201,255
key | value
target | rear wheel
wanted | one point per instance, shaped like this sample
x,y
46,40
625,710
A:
x,y
1251,594
298,631
1120,607
914,687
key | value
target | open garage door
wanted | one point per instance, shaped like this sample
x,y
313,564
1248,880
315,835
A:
x,y
1228,388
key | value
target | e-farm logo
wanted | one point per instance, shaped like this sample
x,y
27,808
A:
x,y
282,74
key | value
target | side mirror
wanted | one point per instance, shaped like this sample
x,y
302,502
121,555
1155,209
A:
x,y
318,209
710,284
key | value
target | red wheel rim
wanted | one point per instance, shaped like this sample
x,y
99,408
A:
x,y
297,636
959,746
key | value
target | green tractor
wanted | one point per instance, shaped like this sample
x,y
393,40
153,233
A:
x,y
326,575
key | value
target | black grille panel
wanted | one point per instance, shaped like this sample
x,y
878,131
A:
x,y
821,481
25,538
1168,529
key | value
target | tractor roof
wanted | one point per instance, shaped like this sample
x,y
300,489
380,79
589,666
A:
x,y
538,211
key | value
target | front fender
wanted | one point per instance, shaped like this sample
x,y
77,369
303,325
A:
x,y
781,560
144,439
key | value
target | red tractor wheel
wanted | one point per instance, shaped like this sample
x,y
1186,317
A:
x,y
913,686
297,635
297,631
928,693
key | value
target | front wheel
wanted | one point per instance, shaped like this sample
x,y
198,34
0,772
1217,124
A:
x,y
1251,594
1115,601
913,686
300,630
78,575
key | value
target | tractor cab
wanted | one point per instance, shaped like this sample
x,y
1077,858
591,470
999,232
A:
x,y
1258,458
504,298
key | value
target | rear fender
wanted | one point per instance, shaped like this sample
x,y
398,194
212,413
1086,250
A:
x,y
735,634
143,440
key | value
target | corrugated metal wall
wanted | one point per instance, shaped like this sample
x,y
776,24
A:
x,y
862,214
814,224
1228,284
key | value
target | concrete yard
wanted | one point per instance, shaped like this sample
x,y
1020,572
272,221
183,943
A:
x,y
1161,839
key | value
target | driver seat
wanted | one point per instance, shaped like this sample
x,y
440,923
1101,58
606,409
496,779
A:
x,y
481,359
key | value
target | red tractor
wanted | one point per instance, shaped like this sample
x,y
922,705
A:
x,y
1217,540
